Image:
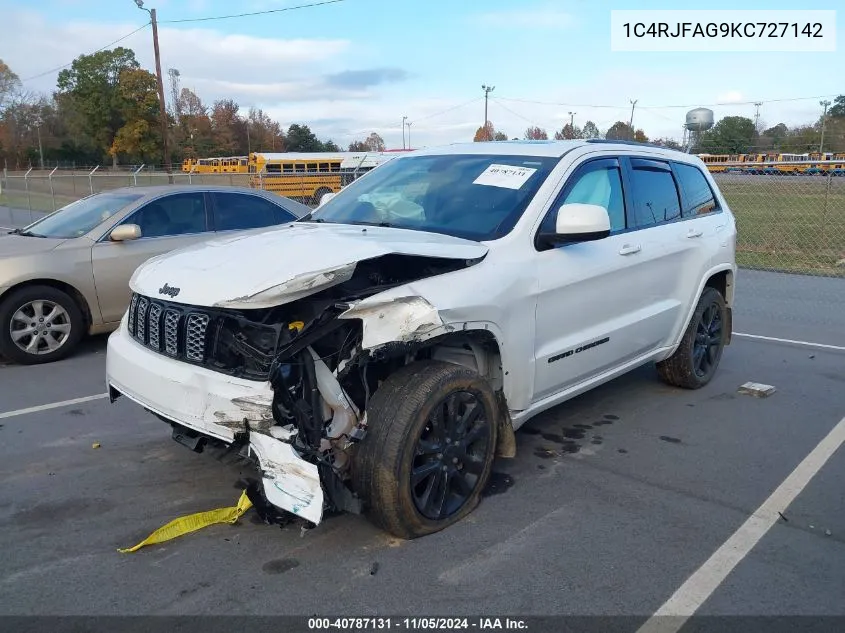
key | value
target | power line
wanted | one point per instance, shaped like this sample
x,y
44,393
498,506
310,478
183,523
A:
x,y
245,15
52,70
516,114
461,105
660,107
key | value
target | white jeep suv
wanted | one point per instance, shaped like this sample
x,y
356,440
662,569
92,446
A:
x,y
377,355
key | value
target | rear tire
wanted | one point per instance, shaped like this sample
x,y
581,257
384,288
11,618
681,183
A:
x,y
429,449
695,361
39,324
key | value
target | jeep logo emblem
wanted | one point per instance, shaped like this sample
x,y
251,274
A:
x,y
168,290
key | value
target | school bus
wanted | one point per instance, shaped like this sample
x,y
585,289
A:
x,y
217,165
309,176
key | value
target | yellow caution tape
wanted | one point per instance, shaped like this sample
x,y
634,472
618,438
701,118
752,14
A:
x,y
193,522
296,325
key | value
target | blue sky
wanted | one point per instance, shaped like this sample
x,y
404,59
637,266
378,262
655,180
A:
x,y
361,65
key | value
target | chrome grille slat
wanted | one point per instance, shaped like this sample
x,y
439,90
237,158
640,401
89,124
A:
x,y
195,328
141,320
171,332
133,306
168,328
153,326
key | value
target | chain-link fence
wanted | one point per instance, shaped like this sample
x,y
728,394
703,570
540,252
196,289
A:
x,y
786,223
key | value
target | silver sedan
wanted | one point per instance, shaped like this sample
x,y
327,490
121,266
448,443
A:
x,y
67,275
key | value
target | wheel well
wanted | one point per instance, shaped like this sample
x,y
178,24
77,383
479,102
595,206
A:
x,y
64,287
723,282
478,350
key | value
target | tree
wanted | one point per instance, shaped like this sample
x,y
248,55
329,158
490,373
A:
x,y
640,136
500,136
10,85
138,104
590,130
89,89
194,134
374,143
485,133
773,137
668,143
838,107
226,126
358,146
300,138
535,133
568,132
265,134
731,135
619,131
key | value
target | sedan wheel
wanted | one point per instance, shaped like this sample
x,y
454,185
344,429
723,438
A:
x,y
39,324
40,327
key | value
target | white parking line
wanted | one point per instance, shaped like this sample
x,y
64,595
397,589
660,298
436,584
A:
x,y
52,405
698,587
839,348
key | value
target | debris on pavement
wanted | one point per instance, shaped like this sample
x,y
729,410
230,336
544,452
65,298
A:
x,y
193,522
757,389
95,445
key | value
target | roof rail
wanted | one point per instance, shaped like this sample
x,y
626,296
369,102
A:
x,y
623,142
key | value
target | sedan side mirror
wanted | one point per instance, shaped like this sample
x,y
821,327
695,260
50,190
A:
x,y
125,233
577,222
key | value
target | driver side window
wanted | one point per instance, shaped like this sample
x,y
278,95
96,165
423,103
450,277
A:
x,y
596,182
175,214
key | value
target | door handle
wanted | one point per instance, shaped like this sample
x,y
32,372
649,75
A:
x,y
694,233
630,249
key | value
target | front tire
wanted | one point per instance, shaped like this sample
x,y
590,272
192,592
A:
x,y
39,324
429,449
695,361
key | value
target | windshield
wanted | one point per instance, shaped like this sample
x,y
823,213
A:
x,y
79,217
474,196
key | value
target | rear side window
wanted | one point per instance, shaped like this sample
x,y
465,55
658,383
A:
x,y
698,197
656,198
234,211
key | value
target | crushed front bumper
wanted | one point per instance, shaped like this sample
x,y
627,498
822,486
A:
x,y
217,406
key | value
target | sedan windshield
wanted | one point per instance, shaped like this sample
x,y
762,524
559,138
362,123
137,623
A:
x,y
474,196
80,217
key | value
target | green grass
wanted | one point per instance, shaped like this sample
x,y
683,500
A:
x,y
790,225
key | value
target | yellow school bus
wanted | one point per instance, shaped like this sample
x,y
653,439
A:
x,y
309,176
216,165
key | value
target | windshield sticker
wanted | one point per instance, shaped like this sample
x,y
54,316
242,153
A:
x,y
506,176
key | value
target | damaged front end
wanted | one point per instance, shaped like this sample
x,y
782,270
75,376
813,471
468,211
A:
x,y
323,354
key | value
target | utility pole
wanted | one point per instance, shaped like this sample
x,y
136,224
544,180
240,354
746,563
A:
x,y
824,104
631,121
409,124
403,131
487,90
162,105
40,151
757,116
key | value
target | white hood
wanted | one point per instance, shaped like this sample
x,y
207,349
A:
x,y
282,264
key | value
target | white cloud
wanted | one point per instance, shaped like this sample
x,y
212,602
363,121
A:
x,y
548,17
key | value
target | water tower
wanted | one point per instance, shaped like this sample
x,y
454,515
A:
x,y
698,121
